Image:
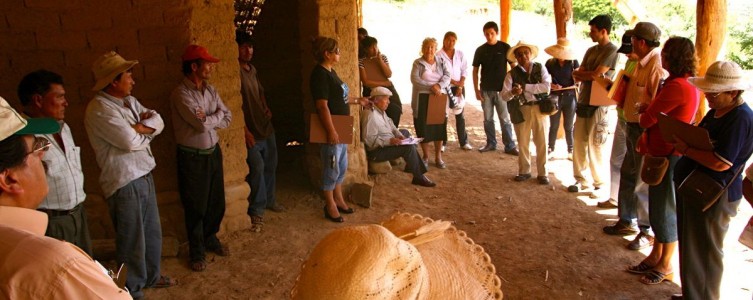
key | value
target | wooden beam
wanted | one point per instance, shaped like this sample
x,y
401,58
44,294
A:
x,y
563,13
505,13
711,30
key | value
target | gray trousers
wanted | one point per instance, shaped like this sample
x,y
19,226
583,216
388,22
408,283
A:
x,y
701,240
72,228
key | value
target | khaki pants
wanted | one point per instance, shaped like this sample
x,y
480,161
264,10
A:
x,y
589,136
537,124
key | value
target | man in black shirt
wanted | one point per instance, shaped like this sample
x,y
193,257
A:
x,y
491,57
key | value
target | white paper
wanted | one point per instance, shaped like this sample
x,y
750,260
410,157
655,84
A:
x,y
411,141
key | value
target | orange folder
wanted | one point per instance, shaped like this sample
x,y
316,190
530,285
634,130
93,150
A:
x,y
437,109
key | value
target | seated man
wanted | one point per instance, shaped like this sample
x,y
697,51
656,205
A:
x,y
383,140
35,266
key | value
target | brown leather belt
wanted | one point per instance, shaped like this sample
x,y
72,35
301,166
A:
x,y
58,213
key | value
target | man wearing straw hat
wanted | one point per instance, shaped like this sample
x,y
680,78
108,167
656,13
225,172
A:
x,y
632,202
561,67
590,132
120,130
197,113
526,83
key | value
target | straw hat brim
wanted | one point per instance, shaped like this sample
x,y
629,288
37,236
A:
x,y
511,52
560,52
458,267
105,80
711,86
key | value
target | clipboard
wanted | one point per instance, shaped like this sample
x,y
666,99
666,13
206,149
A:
x,y
436,110
618,91
694,136
343,127
373,69
599,95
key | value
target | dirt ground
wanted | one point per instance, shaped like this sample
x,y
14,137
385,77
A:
x,y
544,242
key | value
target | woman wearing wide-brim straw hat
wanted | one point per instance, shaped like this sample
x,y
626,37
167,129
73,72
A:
x,y
730,125
560,67
406,257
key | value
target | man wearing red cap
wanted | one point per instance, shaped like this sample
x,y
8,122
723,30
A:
x,y
197,112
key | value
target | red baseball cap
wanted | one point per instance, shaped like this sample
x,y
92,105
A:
x,y
194,52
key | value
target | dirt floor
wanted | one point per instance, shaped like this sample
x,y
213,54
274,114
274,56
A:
x,y
545,242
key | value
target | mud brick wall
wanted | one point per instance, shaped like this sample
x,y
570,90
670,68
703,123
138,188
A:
x,y
67,36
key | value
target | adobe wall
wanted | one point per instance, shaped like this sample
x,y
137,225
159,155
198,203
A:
x,y
67,36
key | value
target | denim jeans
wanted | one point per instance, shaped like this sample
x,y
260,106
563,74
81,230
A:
x,y
262,168
138,233
334,165
492,100
615,161
662,208
567,109
633,201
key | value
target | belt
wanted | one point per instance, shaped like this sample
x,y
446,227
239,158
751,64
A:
x,y
57,213
530,103
197,151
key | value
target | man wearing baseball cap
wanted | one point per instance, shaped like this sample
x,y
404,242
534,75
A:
x,y
121,130
632,202
197,112
383,140
35,266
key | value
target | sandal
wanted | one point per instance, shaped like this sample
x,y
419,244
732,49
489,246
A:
x,y
440,164
641,268
656,277
257,223
166,281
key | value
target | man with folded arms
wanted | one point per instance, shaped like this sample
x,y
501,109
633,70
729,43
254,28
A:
x,y
197,113
42,94
35,266
383,140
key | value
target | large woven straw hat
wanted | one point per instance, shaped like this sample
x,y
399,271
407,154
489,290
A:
x,y
561,50
722,76
450,265
107,67
511,52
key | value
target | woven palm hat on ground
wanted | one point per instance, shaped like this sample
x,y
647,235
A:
x,y
407,257
722,76
511,52
561,50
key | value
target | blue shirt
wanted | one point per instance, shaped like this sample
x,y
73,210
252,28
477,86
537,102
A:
x,y
732,138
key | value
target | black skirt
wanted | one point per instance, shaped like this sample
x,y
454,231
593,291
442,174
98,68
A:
x,y
430,133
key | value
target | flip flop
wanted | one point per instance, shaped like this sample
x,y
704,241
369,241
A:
x,y
166,281
641,268
656,277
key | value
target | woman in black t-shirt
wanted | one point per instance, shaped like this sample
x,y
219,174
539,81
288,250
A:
x,y
330,96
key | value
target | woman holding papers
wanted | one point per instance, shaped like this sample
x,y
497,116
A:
x,y
375,71
330,96
677,99
730,126
430,76
561,66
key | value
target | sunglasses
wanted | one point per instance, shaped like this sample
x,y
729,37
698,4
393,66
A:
x,y
712,95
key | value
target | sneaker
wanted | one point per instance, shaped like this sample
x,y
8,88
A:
x,y
487,148
620,228
466,147
642,240
609,203
278,208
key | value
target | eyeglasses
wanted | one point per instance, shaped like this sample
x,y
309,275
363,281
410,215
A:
x,y
712,95
336,51
40,145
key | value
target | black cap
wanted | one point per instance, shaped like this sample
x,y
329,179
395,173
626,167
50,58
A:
x,y
627,45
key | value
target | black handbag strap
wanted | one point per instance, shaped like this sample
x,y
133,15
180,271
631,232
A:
x,y
737,173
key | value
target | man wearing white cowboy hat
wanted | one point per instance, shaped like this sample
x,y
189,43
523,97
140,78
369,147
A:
x,y
564,61
120,130
383,140
35,266
701,232
632,202
524,86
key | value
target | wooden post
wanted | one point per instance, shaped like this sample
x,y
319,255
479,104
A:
x,y
563,13
505,13
711,30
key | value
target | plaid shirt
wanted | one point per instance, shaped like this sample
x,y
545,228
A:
x,y
64,175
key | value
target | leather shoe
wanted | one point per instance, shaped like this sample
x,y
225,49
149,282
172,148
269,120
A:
x,y
278,208
609,203
423,181
487,148
542,179
641,241
676,297
620,229
522,177
513,151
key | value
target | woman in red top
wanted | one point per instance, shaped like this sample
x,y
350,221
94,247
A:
x,y
678,99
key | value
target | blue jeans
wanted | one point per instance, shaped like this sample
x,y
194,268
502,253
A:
x,y
662,208
334,165
492,100
633,200
138,238
262,168
567,109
